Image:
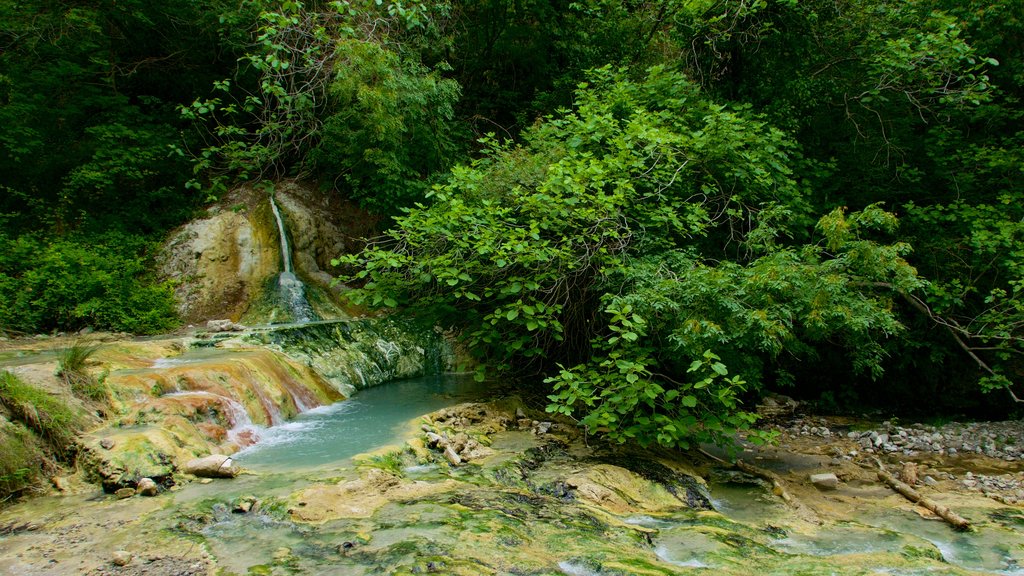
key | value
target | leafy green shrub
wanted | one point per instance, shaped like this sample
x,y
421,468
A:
x,y
639,251
72,282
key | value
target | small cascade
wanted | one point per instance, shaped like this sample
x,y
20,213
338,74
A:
x,y
242,431
290,288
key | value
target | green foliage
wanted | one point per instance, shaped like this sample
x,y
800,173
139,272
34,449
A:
x,y
37,428
86,113
87,119
979,291
390,132
70,283
331,90
598,246
21,459
805,108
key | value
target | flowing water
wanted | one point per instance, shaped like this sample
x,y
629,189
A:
x,y
374,417
990,548
514,520
291,290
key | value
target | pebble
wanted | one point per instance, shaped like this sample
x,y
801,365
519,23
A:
x,y
999,440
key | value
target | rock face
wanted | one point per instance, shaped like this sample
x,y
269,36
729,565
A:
x,y
361,497
321,228
221,262
173,410
621,491
225,262
359,354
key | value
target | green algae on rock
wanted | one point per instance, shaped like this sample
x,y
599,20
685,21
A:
x,y
358,354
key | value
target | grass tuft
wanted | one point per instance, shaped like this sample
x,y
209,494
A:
x,y
72,367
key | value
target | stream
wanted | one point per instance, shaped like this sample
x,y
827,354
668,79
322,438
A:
x,y
333,491
372,418
682,542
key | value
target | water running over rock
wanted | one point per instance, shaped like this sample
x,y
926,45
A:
x,y
354,355
290,289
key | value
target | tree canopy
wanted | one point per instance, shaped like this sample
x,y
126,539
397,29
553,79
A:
x,y
659,209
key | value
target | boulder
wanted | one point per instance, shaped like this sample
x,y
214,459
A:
x,y
212,466
224,325
123,493
147,487
121,558
826,481
452,456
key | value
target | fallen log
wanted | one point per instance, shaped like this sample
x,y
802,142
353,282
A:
x,y
955,520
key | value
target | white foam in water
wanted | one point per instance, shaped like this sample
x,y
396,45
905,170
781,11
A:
x,y
663,554
947,551
344,407
419,468
281,434
297,430
647,521
243,431
574,569
170,362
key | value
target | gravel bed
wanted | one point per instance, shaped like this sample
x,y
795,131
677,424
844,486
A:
x,y
1000,440
997,440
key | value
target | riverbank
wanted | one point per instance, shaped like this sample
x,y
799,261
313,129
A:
x,y
431,476
494,488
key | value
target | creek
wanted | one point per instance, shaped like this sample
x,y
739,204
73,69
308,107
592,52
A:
x,y
511,513
350,487
372,418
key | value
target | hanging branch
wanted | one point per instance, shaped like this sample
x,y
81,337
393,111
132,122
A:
x,y
954,329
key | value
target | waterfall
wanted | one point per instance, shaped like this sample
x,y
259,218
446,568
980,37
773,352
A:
x,y
286,252
290,288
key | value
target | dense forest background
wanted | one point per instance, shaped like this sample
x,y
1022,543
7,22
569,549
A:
x,y
661,206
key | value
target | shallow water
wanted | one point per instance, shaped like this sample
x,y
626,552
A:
x,y
372,418
12,358
988,549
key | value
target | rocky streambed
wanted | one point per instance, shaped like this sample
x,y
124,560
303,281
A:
x,y
430,476
979,457
493,488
